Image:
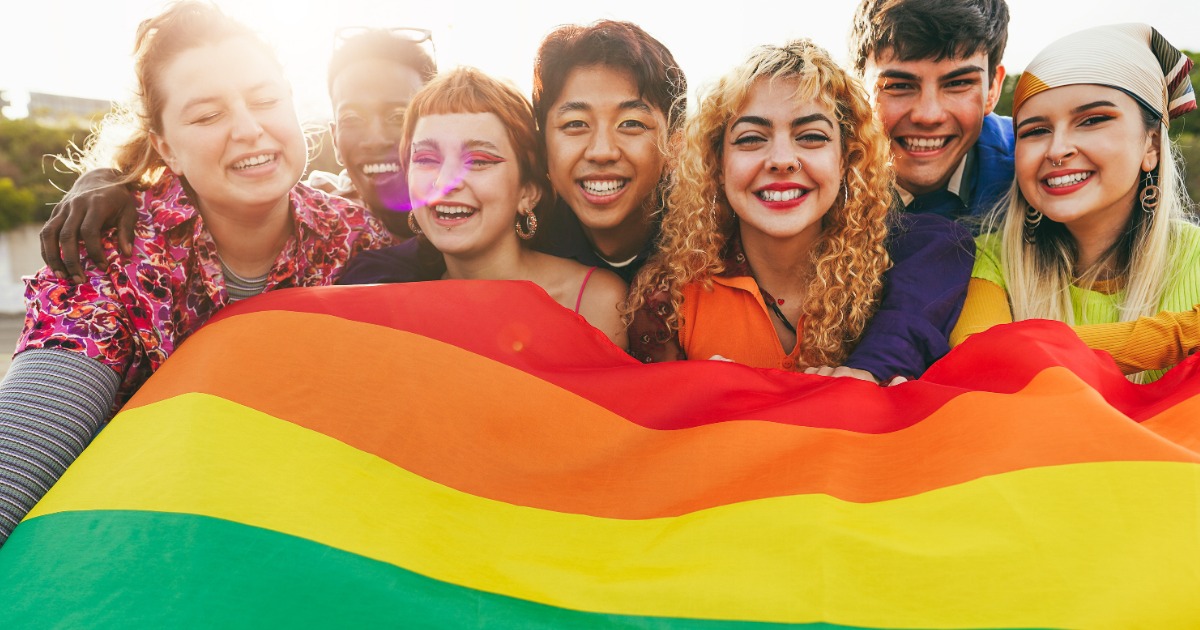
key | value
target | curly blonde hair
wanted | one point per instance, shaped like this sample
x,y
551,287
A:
x,y
849,258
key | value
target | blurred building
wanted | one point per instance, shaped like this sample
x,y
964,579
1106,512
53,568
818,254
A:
x,y
59,110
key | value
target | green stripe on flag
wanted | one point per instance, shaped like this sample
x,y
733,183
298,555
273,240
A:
x,y
156,569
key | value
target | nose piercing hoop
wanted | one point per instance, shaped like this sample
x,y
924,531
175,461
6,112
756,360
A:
x,y
1053,163
793,166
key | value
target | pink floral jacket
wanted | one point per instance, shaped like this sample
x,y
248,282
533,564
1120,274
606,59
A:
x,y
133,313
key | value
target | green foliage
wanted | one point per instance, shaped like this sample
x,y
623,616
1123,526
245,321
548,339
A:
x,y
1004,103
17,205
1189,148
30,184
1190,122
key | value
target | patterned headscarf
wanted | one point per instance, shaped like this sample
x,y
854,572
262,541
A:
x,y
1133,58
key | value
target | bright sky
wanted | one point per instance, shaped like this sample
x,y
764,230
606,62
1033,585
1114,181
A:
x,y
81,47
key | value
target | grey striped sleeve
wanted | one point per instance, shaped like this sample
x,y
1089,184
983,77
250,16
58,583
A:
x,y
52,402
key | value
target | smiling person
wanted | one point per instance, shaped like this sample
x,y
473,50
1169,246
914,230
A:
x,y
607,98
773,244
610,102
216,151
934,71
1095,231
373,74
476,176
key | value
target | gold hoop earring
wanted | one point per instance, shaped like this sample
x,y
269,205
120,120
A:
x,y
412,225
1151,194
1033,218
531,221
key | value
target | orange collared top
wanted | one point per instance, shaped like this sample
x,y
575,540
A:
x,y
733,321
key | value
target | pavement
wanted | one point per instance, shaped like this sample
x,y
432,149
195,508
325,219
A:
x,y
10,327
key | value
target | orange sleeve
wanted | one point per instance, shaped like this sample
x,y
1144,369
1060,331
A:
x,y
1147,343
986,306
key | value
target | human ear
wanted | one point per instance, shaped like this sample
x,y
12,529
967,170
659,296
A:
x,y
163,148
337,155
531,194
993,95
1151,157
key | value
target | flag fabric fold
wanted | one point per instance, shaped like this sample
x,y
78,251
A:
x,y
470,454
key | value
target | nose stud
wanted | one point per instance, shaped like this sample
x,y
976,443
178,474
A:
x,y
1055,163
792,166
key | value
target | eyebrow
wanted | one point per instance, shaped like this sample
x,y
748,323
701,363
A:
x,y
898,74
963,71
573,106
637,104
582,106
480,144
469,144
1076,110
202,100
909,76
373,102
763,122
1093,105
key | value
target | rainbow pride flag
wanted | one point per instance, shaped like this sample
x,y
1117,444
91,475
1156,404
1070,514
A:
x,y
455,454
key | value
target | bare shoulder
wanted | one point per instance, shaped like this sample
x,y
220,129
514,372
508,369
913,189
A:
x,y
606,284
600,304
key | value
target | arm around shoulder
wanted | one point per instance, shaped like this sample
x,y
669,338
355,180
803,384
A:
x,y
97,201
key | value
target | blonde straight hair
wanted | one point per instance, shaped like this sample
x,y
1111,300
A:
x,y
1038,276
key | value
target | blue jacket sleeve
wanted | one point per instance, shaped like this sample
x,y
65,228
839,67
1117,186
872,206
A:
x,y
923,295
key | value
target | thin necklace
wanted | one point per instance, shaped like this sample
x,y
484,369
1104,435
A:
x,y
618,265
774,306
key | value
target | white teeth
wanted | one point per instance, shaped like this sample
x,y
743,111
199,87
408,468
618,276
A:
x,y
924,144
1067,180
453,212
257,160
602,187
780,195
381,167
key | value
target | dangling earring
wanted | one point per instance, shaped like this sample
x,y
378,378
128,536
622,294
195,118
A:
x,y
1033,218
531,221
1151,194
412,225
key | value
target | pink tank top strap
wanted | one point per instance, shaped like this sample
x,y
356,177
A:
x,y
579,300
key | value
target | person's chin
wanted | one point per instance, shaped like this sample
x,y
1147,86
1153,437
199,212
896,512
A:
x,y
604,218
926,178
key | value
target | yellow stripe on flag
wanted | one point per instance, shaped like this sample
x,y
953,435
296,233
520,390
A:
x,y
1074,545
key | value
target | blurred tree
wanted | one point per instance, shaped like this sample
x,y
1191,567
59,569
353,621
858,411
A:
x,y
1004,104
17,205
26,162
